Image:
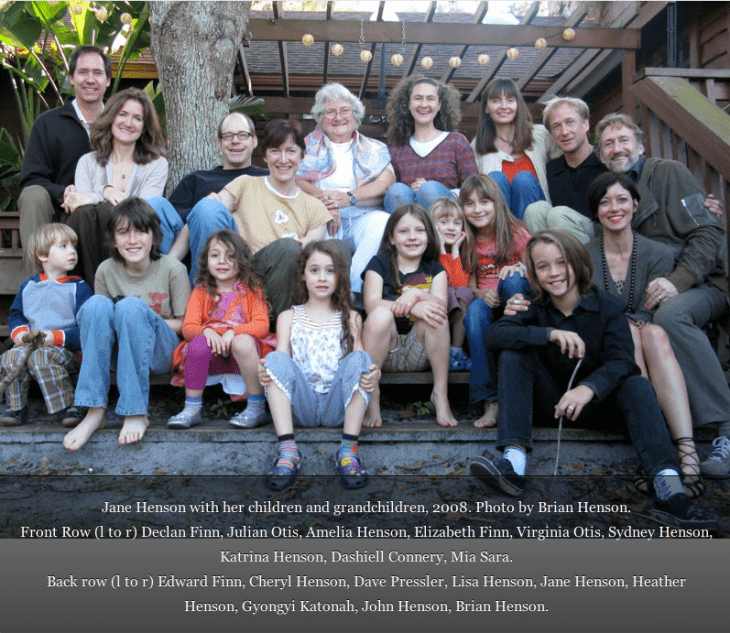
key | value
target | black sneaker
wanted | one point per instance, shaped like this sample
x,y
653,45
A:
x,y
71,416
498,474
14,418
679,511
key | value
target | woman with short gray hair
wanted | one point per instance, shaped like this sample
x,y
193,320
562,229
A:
x,y
349,173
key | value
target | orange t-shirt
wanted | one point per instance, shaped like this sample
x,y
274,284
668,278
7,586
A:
x,y
510,169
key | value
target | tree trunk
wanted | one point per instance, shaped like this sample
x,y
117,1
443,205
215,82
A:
x,y
195,46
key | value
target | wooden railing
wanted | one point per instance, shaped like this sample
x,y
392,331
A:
x,y
684,115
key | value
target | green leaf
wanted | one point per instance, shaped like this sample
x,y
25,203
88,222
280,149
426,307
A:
x,y
48,12
23,33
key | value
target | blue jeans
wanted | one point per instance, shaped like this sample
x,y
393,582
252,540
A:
x,y
363,231
400,194
479,316
170,221
133,336
523,190
537,394
208,216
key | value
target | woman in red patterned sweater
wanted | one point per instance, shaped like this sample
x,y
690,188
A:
x,y
429,156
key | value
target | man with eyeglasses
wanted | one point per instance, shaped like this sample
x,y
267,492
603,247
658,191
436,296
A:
x,y
237,140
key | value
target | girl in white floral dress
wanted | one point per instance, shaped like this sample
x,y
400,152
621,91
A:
x,y
320,374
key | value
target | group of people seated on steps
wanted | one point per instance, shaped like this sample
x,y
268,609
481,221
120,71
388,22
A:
x,y
514,257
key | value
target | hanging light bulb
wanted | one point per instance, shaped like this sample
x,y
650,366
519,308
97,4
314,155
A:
x,y
483,59
427,62
455,61
308,39
513,53
397,59
568,34
337,49
541,44
365,56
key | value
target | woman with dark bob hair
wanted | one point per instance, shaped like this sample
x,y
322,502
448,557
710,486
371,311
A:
x,y
128,160
349,173
429,156
625,263
510,149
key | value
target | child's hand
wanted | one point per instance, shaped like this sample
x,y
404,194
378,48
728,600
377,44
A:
x,y
442,241
489,296
264,377
403,305
369,381
509,271
573,401
432,312
569,342
47,338
227,337
214,340
516,303
20,339
457,245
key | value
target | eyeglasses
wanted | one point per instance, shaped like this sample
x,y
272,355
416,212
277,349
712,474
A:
x,y
241,136
345,113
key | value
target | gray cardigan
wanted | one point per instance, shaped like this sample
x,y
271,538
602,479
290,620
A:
x,y
653,259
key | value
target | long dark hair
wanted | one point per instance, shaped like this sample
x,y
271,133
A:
x,y
341,298
149,146
486,130
400,120
388,249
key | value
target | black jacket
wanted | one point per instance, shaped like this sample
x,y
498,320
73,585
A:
x,y
57,140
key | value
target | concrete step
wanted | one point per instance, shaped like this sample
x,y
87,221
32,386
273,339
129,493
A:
x,y
418,447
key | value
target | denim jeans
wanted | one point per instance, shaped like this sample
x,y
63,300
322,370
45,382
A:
x,y
528,392
479,316
523,190
170,221
133,337
208,216
363,231
400,194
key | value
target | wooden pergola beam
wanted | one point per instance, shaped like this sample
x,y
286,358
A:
x,y
286,30
497,63
477,19
626,17
278,9
575,19
417,49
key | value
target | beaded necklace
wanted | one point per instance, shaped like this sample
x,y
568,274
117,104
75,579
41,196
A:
x,y
632,270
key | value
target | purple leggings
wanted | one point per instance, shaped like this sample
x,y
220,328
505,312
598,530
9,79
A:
x,y
201,363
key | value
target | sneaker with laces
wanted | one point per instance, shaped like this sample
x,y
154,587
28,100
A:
x,y
14,418
72,415
718,463
679,511
498,473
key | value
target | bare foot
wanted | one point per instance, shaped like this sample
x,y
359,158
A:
x,y
133,429
93,421
489,419
444,417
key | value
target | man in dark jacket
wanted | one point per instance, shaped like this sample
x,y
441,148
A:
x,y
58,139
